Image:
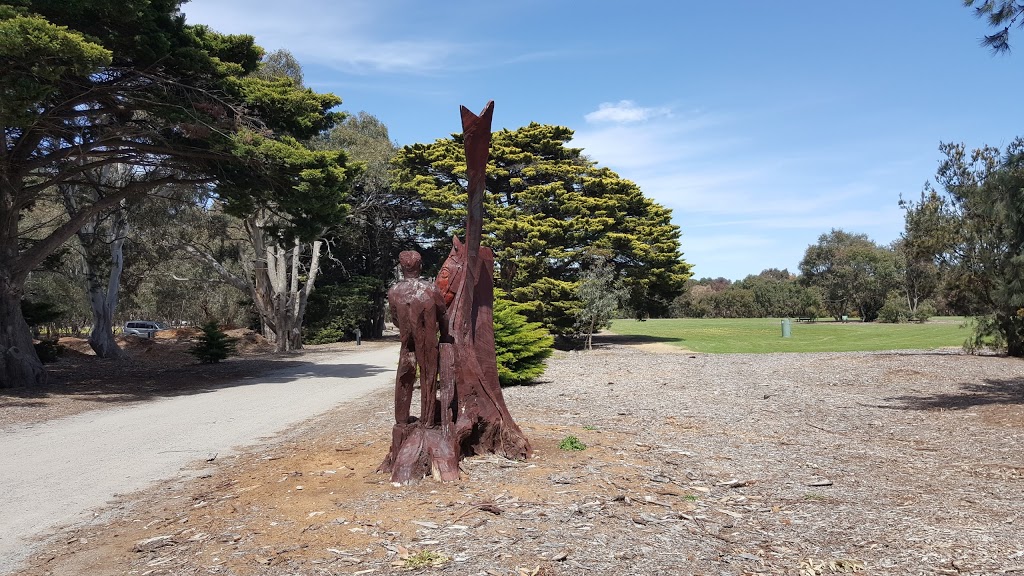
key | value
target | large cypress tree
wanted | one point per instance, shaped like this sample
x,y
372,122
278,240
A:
x,y
549,211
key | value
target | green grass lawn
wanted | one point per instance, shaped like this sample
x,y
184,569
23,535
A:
x,y
765,335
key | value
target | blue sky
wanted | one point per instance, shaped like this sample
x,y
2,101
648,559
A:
x,y
761,124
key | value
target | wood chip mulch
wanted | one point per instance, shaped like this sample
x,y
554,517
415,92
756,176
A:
x,y
804,464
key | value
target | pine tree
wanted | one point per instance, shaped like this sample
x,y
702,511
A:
x,y
984,200
213,346
521,346
549,208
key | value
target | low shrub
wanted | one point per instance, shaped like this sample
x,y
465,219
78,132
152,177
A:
x,y
213,346
894,311
572,444
521,346
48,351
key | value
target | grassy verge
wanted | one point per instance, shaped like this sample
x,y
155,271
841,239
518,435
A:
x,y
765,335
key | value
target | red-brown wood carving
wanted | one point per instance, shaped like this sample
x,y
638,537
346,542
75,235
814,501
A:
x,y
463,411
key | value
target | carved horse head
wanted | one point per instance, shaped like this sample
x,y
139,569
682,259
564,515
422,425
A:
x,y
453,271
449,278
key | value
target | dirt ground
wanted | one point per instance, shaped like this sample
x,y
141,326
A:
x,y
807,464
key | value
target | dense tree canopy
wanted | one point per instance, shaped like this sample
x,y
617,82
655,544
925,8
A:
x,y
87,84
852,273
380,223
927,235
980,224
549,212
773,293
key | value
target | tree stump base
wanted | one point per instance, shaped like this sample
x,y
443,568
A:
x,y
417,452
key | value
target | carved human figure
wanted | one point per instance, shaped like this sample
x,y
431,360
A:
x,y
419,311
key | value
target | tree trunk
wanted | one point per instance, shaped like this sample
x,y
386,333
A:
x,y
274,281
280,286
19,363
374,326
101,238
590,333
103,295
1013,330
101,338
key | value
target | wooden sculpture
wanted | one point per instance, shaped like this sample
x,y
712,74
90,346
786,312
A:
x,y
463,410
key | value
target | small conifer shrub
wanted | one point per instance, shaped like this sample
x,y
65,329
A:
x,y
48,350
213,346
521,346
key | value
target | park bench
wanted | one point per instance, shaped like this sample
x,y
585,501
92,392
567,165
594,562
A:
x,y
805,319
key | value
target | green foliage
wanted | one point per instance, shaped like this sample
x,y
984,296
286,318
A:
x,y
727,336
308,187
91,83
988,334
55,297
280,64
928,234
599,293
998,13
424,559
35,58
572,444
521,346
336,310
213,346
895,310
852,273
382,221
39,313
549,210
771,294
984,202
48,350
925,311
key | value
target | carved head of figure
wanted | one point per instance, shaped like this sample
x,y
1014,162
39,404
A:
x,y
450,275
410,263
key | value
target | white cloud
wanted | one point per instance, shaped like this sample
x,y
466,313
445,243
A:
x,y
348,36
742,206
624,112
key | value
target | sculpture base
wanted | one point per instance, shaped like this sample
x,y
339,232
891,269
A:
x,y
417,452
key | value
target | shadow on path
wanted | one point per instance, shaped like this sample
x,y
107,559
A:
x,y
108,382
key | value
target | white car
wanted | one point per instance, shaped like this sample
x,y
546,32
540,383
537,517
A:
x,y
144,328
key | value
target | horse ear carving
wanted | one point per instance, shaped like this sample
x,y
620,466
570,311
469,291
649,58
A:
x,y
456,244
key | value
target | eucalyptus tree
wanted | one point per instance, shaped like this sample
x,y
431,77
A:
x,y
381,222
852,273
90,83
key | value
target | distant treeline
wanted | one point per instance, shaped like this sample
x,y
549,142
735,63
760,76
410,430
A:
x,y
773,293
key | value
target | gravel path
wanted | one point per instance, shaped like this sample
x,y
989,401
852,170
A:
x,y
54,472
